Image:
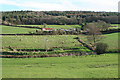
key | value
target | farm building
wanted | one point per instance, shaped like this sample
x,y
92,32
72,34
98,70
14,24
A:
x,y
47,29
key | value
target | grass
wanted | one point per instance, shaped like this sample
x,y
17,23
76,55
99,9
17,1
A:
x,y
54,26
15,30
50,41
110,39
40,42
101,66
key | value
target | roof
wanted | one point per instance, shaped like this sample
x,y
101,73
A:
x,y
47,28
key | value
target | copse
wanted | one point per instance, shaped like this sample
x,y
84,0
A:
x,y
101,48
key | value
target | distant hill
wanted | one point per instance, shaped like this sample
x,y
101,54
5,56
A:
x,y
57,17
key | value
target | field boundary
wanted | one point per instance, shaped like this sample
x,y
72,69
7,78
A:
x,y
84,44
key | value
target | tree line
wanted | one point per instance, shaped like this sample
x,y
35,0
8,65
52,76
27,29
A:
x,y
57,17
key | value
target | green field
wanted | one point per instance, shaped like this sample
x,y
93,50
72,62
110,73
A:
x,y
101,66
110,39
54,26
15,30
91,66
41,42
50,41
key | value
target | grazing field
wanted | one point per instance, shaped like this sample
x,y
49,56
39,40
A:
x,y
101,66
110,39
41,42
54,26
15,30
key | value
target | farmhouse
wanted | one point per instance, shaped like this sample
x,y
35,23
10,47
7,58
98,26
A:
x,y
47,29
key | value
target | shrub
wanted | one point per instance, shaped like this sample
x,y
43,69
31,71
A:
x,y
101,48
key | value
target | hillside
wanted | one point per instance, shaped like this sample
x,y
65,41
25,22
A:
x,y
57,17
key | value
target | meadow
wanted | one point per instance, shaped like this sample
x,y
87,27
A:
x,y
16,30
100,66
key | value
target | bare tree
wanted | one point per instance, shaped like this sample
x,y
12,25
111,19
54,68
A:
x,y
94,34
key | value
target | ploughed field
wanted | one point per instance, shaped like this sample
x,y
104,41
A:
x,y
100,66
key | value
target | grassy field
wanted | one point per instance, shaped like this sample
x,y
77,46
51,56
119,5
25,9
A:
x,y
40,42
15,30
101,66
110,39
54,26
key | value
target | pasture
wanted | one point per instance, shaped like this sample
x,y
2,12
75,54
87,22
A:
x,y
41,42
51,41
101,66
15,30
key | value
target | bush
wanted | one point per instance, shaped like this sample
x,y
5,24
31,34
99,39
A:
x,y
101,48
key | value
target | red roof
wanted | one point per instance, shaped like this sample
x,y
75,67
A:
x,y
48,28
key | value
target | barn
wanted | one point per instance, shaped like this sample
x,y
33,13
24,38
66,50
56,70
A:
x,y
47,29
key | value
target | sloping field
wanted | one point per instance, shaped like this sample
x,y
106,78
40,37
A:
x,y
110,39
